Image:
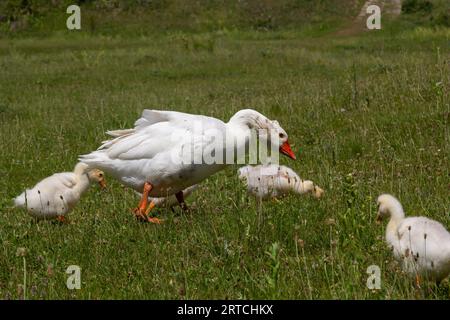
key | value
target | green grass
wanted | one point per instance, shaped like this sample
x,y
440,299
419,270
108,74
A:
x,y
365,115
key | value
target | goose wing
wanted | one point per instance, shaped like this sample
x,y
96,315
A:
x,y
156,132
425,238
57,182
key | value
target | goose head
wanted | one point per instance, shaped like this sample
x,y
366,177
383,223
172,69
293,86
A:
x,y
285,147
389,207
251,119
98,176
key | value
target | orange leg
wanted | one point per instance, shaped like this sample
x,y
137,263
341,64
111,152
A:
x,y
149,208
417,280
152,219
61,219
140,210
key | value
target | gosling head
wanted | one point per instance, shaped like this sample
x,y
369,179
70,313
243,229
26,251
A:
x,y
317,192
308,186
243,173
388,206
98,176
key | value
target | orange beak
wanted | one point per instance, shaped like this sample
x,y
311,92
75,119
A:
x,y
285,149
102,184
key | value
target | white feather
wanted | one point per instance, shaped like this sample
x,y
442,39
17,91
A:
x,y
422,245
146,152
56,195
274,181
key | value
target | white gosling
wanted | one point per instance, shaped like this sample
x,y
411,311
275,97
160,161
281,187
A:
x,y
275,181
151,157
420,244
57,195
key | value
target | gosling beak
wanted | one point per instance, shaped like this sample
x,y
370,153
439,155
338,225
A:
x,y
102,184
379,219
285,149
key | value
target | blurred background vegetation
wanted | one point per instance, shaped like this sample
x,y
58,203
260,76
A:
x,y
143,17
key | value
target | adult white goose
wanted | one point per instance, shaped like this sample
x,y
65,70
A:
x,y
422,245
274,181
169,151
57,195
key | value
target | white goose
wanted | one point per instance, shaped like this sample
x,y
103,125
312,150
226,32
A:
x,y
274,181
57,195
151,157
422,245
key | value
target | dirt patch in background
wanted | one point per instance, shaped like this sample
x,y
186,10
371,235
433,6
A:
x,y
392,8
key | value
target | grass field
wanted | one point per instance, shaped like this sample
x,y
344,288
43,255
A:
x,y
365,114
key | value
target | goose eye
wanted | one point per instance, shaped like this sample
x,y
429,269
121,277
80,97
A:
x,y
281,135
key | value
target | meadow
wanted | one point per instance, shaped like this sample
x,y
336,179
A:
x,y
365,114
